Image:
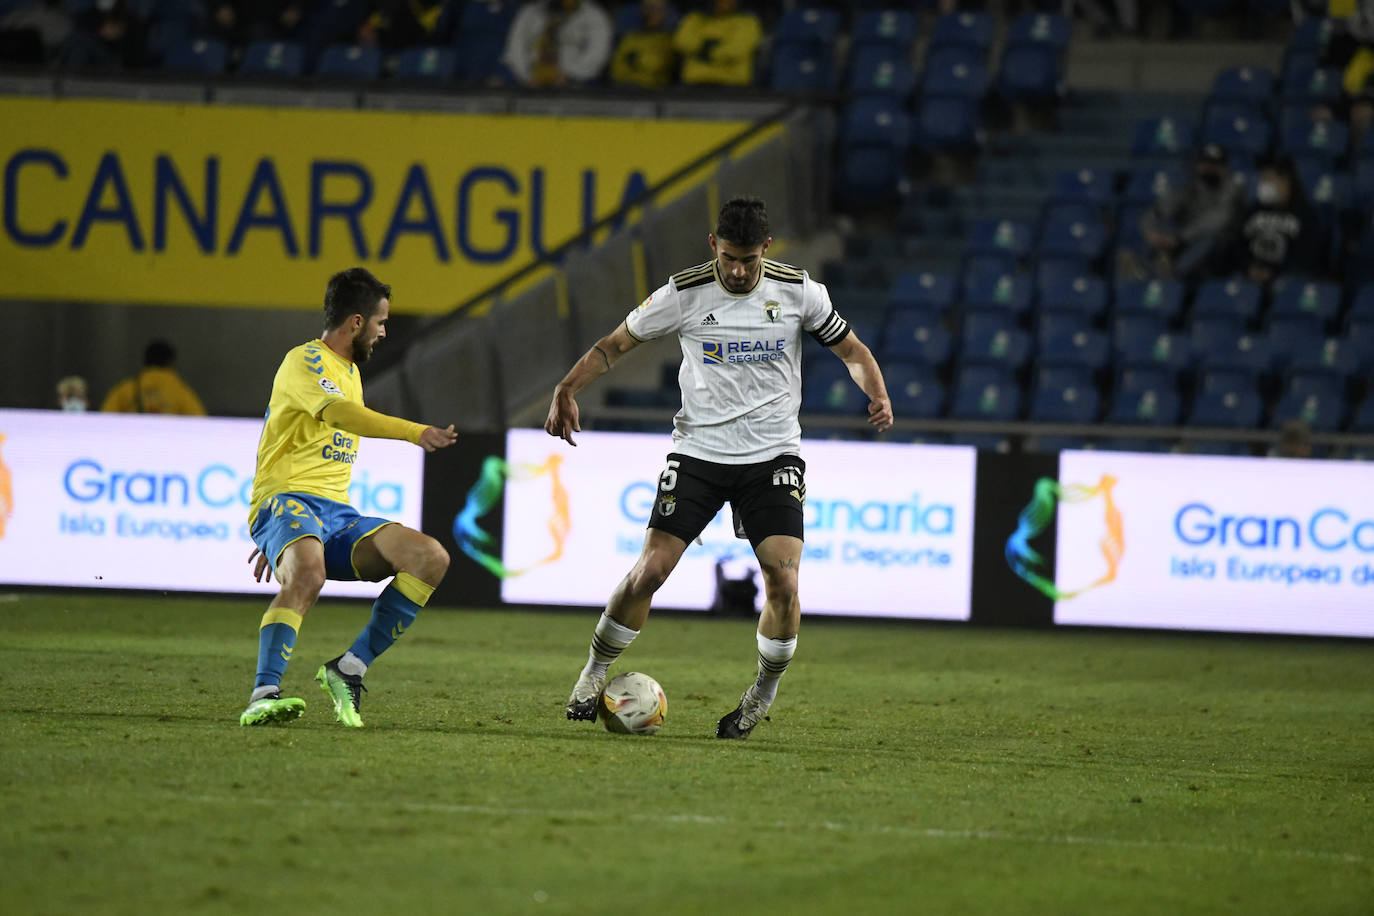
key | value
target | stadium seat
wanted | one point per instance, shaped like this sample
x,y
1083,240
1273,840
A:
x,y
1323,410
1146,378
1073,404
1067,235
954,73
915,391
1009,237
480,40
1084,347
1082,185
1145,407
285,59
874,145
1083,293
1301,296
1292,334
427,64
972,30
1213,334
816,27
892,29
1326,140
800,69
1246,138
1161,137
350,62
1162,350
1049,30
947,124
1244,84
996,289
828,389
201,56
875,71
983,392
1308,84
1362,303
1029,73
1008,347
1311,35
1153,297
917,336
1359,333
1247,353
1236,297
1061,375
924,289
1147,184
1232,404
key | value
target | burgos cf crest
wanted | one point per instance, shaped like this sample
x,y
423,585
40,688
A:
x,y
711,353
667,506
773,310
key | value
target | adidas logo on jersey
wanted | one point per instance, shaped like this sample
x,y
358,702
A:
x,y
709,321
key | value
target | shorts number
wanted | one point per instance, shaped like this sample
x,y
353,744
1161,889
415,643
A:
x,y
668,479
296,508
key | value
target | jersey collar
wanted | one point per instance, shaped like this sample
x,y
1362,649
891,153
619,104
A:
x,y
715,270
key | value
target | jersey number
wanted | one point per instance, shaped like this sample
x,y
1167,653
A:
x,y
298,510
668,479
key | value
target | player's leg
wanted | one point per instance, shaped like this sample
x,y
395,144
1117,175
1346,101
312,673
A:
x,y
689,495
624,617
418,563
300,571
770,510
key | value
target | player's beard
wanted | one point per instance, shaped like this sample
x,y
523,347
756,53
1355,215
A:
x,y
362,350
741,286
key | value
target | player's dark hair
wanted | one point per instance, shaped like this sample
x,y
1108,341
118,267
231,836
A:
x,y
159,353
352,292
743,221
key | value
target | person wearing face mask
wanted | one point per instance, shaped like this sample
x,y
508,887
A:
x,y
71,394
1278,234
1188,225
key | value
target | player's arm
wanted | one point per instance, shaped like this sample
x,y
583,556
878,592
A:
x,y
863,368
362,421
596,362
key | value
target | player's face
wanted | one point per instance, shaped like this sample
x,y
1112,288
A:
x,y
373,330
739,267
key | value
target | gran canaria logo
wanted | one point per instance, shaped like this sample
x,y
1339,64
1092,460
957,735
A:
x,y
486,493
1029,563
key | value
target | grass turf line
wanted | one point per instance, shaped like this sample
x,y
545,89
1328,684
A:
x,y
905,769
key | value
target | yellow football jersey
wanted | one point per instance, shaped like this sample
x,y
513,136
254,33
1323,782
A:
x,y
299,452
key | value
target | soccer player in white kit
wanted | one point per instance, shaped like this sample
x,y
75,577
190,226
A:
x,y
739,318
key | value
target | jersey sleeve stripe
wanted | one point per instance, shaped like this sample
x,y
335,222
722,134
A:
x,y
831,331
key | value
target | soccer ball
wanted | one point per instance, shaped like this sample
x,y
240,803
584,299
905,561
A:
x,y
633,704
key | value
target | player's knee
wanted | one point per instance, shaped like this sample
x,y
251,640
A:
x,y
303,583
647,577
434,559
780,585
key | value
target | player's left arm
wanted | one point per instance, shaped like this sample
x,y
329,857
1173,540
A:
x,y
863,368
362,421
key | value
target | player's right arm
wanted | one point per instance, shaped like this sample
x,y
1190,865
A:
x,y
363,421
596,362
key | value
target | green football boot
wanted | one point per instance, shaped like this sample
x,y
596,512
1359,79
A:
x,y
272,709
345,690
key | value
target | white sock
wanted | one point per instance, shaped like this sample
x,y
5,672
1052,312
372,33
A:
x,y
774,654
609,640
352,665
266,690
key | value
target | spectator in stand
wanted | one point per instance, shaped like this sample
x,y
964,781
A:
x,y
1278,234
397,24
559,42
107,37
1188,227
1295,440
156,389
645,56
718,48
35,32
238,22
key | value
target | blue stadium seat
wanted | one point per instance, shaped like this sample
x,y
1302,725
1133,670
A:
x,y
1233,405
913,335
1145,407
1029,74
1008,347
1067,235
1162,349
984,323
1083,293
1322,409
1326,139
1064,405
1162,137
1148,183
972,30
427,65
1359,333
892,29
997,289
915,391
1061,375
814,26
285,59
1302,296
875,71
1308,84
799,69
1248,353
875,122
1311,34
1246,138
1082,185
1001,236
1212,334
874,146
924,289
1049,30
1244,84
984,392
1362,303
201,56
827,388
1235,297
1292,334
350,62
948,124
953,73
1085,347
1153,297
1051,271
480,40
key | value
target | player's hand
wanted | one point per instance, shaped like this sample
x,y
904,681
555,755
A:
x,y
880,414
435,438
261,567
563,416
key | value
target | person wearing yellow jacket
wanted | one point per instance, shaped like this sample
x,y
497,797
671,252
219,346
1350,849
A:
x,y
157,388
719,48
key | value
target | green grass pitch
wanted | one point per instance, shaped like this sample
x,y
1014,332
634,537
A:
x,y
906,769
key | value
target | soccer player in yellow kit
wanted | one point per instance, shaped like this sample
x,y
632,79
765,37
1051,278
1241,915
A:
x,y
300,518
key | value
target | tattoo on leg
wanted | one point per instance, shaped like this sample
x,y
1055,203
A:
x,y
788,562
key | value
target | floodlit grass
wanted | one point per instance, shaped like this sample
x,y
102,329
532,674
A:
x,y
906,769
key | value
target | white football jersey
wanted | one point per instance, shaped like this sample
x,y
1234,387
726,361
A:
x,y
741,357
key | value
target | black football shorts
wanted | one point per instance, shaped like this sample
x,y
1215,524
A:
x,y
766,497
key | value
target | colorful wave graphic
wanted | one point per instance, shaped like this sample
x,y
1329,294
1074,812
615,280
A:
x,y
1029,563
484,495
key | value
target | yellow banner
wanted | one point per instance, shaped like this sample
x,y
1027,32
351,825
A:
x,y
238,206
